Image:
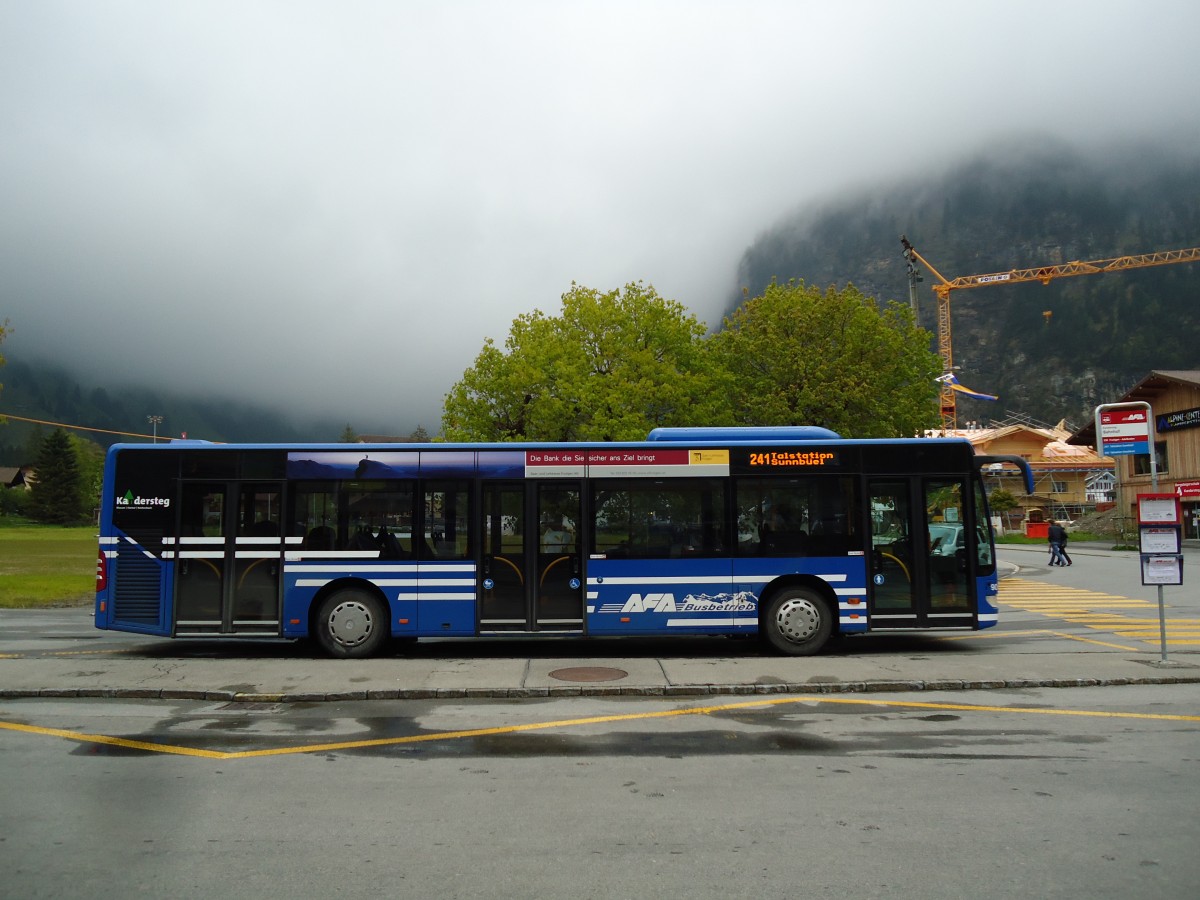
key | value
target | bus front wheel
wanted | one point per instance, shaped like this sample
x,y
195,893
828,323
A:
x,y
351,624
798,622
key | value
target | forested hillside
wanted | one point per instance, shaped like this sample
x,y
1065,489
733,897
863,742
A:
x,y
43,391
1015,208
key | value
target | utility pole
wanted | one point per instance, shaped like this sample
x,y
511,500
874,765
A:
x,y
155,421
914,278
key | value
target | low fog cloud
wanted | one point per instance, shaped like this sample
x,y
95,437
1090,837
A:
x,y
329,207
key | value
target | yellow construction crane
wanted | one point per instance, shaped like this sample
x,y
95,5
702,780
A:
x,y
1044,274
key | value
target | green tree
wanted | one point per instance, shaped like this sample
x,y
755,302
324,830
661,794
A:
x,y
1003,502
14,502
799,356
33,445
90,458
349,435
55,496
610,367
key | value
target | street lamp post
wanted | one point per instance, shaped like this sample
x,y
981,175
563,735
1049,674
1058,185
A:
x,y
155,421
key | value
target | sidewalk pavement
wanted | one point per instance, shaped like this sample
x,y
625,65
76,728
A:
x,y
946,662
308,680
1008,657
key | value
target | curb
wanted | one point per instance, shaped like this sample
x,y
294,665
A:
x,y
703,690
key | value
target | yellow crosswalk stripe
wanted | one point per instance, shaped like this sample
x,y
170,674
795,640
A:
x,y
1093,609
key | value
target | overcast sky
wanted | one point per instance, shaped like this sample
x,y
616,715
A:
x,y
329,206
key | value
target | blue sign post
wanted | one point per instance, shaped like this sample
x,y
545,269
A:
x,y
1126,429
1123,429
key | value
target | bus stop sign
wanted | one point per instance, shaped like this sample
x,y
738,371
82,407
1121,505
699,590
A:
x,y
1124,432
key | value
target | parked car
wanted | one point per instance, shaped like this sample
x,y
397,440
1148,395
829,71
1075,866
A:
x,y
946,538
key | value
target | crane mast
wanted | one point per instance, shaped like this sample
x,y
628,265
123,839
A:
x,y
1045,274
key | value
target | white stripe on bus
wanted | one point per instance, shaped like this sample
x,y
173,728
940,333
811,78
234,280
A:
x,y
383,567
772,577
702,579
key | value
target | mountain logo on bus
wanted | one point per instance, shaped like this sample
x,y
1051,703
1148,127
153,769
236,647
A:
x,y
129,500
666,603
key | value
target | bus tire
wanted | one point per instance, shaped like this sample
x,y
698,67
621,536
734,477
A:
x,y
798,622
351,624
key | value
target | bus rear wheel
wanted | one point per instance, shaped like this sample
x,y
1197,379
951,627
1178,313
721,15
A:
x,y
798,622
351,624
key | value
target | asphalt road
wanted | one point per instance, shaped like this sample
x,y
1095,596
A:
x,y
708,769
1076,792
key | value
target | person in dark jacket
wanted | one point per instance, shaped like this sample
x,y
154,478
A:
x,y
1064,559
1057,536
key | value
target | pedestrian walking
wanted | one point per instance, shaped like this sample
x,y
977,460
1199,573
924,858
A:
x,y
1057,536
1052,542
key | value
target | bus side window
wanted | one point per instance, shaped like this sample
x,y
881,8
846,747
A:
x,y
314,514
447,521
389,546
322,537
679,518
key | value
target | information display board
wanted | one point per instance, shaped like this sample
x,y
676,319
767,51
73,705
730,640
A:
x,y
1160,528
1158,539
1158,509
1162,569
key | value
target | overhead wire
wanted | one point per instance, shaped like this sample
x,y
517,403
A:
x,y
4,415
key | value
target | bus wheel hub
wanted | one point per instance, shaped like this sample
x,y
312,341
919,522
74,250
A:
x,y
350,623
798,620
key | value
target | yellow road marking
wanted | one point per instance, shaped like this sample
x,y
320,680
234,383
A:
x,y
990,633
67,653
977,635
1088,608
1085,640
575,723
112,741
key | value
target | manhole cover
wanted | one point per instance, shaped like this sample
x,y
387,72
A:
x,y
589,673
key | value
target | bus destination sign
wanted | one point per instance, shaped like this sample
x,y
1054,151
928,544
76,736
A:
x,y
775,460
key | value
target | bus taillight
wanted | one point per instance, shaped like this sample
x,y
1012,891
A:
x,y
101,572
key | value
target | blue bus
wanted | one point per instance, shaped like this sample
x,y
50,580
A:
x,y
792,534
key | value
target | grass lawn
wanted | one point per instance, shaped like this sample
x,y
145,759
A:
x,y
1074,537
46,565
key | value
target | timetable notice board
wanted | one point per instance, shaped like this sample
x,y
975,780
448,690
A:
x,y
1160,528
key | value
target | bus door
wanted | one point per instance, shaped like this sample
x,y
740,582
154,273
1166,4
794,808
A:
x,y
531,570
950,551
919,560
229,557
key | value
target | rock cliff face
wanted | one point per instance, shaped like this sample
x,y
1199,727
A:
x,y
1049,351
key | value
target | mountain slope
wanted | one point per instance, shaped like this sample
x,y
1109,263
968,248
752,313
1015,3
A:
x,y
42,390
1015,208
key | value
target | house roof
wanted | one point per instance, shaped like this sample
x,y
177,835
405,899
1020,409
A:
x,y
1158,381
12,476
1056,454
1145,391
986,435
